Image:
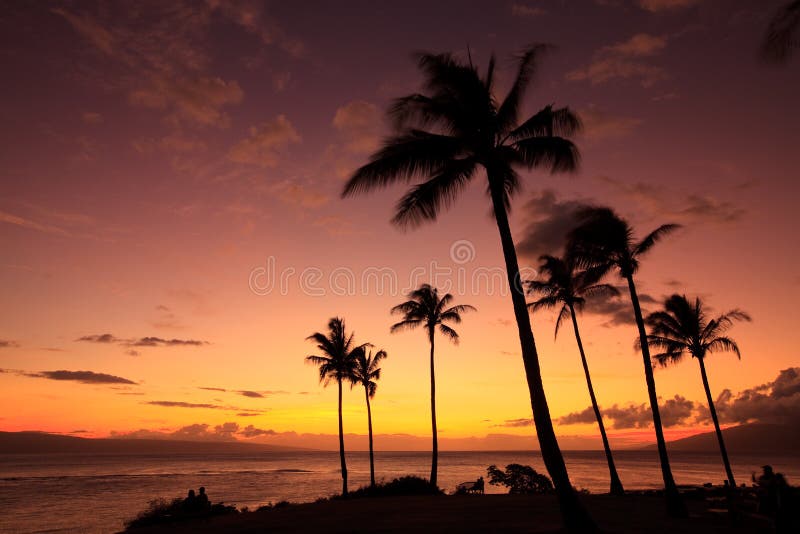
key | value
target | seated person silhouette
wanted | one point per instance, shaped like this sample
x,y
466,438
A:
x,y
202,500
478,485
190,502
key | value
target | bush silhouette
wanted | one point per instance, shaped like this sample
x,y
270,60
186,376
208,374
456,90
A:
x,y
519,479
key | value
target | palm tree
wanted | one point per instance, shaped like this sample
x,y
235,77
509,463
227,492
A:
x,y
425,308
781,38
365,373
604,241
445,138
682,328
336,363
566,286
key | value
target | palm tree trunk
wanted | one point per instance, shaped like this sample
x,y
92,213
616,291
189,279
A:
x,y
369,426
435,446
675,505
616,483
341,443
713,411
576,518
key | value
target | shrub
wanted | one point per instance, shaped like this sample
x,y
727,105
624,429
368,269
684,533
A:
x,y
403,486
519,479
161,511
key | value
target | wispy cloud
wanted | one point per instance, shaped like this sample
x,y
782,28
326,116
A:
x,y
83,377
360,124
266,143
674,412
149,341
5,344
626,60
660,6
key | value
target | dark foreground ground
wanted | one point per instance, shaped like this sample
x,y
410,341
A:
x,y
467,513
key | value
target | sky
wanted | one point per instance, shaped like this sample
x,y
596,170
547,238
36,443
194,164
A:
x,y
172,228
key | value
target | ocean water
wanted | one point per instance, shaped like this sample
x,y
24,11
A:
x,y
97,493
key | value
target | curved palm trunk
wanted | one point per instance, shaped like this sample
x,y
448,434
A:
x,y
575,516
616,483
713,411
675,505
369,426
435,446
341,443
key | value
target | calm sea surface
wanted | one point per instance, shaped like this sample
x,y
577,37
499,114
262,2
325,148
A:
x,y
96,493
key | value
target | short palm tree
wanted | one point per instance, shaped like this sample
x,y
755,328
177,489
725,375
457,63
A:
x,y
567,287
605,241
336,362
682,328
424,308
459,130
366,373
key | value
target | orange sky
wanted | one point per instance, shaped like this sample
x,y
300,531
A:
x,y
154,160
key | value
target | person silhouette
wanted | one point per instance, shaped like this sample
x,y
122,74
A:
x,y
190,502
479,485
202,499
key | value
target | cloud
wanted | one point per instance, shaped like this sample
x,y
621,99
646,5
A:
x,y
658,6
251,432
181,404
674,412
777,401
599,125
687,208
10,218
148,341
360,124
132,352
516,423
251,394
158,57
522,10
91,117
6,344
100,338
266,143
625,60
213,389
247,414
83,377
549,221
618,309
294,194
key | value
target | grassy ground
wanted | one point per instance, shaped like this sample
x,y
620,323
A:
x,y
466,513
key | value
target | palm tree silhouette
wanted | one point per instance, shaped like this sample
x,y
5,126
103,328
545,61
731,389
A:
x,y
445,138
425,308
604,241
365,373
336,363
566,286
682,328
781,38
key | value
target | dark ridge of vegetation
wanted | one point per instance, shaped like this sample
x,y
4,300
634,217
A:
x,y
520,479
162,511
399,487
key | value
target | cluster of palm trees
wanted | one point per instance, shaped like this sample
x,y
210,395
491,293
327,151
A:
x,y
458,130
342,360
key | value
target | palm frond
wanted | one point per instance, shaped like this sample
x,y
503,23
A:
x,y
653,237
548,122
424,201
407,324
404,156
507,115
555,154
782,37
563,315
724,343
449,333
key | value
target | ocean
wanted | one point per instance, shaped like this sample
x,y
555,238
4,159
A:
x,y
97,493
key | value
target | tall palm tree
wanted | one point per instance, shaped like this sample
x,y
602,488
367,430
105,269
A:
x,y
365,373
568,287
424,308
604,241
336,362
782,37
446,137
682,328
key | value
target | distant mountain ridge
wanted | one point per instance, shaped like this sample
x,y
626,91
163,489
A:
x,y
749,438
41,442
